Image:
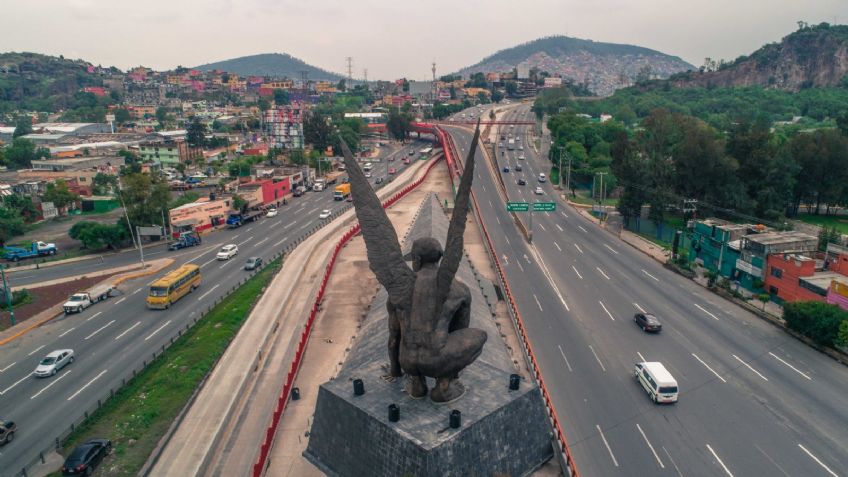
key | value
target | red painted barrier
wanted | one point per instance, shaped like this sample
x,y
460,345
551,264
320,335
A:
x,y
271,431
566,451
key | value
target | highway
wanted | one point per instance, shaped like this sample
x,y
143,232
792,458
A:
x,y
753,400
114,337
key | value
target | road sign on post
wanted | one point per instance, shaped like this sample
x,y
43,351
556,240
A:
x,y
517,207
544,206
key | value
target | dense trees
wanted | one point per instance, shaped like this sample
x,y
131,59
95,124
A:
x,y
59,194
399,124
196,133
146,199
819,321
95,235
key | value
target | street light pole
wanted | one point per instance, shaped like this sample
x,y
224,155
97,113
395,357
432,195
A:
x,y
559,171
603,206
8,295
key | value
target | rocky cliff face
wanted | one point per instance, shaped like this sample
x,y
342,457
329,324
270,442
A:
x,y
810,57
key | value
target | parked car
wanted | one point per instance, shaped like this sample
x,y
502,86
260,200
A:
x,y
521,181
271,213
86,457
53,362
253,263
647,322
227,252
506,168
324,214
539,191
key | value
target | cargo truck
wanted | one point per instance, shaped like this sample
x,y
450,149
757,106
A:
x,y
80,301
342,192
37,249
185,240
237,219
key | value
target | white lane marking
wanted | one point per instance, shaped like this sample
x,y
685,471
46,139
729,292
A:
x,y
639,307
98,330
708,367
208,262
672,462
602,273
157,330
281,241
575,271
641,357
772,460
581,228
537,302
648,274
45,388
208,292
605,309
249,229
226,262
519,266
597,358
245,241
235,236
613,251
818,461
88,384
36,350
499,220
607,444
94,316
484,188
543,227
564,214
563,357
312,211
490,204
9,366
127,330
707,312
719,460
140,289
749,367
548,275
787,364
578,248
119,301
560,228
304,226
656,456
557,246
16,383
260,242
290,224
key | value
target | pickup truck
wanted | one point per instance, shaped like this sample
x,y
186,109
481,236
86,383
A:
x,y
7,431
80,301
37,249
186,239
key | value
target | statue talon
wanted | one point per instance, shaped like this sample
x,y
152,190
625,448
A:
x,y
429,310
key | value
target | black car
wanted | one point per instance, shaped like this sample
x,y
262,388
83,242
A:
x,y
253,263
647,322
506,169
379,180
518,168
86,457
522,182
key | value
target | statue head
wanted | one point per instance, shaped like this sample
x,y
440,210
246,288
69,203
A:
x,y
425,250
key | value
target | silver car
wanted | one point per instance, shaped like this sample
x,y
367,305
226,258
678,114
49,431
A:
x,y
53,362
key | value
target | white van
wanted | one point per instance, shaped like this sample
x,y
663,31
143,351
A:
x,y
367,167
657,381
542,177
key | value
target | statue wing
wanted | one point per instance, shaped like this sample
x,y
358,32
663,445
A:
x,y
456,230
381,242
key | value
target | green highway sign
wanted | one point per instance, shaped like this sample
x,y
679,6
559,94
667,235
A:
x,y
544,206
517,207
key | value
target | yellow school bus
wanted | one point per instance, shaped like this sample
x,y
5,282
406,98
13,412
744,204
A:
x,y
173,286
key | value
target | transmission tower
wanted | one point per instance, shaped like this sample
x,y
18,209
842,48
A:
x,y
349,69
365,74
304,81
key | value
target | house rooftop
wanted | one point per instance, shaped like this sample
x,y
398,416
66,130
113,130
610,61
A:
x,y
774,238
822,280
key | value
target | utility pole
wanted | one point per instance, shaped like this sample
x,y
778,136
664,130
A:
x,y
603,205
349,70
140,247
568,176
8,295
365,74
559,171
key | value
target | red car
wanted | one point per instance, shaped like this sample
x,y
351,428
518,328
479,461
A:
x,y
392,170
406,160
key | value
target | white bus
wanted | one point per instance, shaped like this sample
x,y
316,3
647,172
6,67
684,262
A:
x,y
657,381
425,151
511,144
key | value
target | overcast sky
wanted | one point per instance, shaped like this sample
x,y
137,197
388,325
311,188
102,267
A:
x,y
392,39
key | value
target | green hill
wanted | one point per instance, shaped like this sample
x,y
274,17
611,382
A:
x,y
270,64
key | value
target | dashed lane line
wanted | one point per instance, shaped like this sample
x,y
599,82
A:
x,y
749,367
609,449
208,292
648,274
708,367
607,311
563,357
151,335
726,470
787,364
575,271
656,456
98,330
127,330
36,350
597,358
88,384
707,312
45,388
818,461
602,273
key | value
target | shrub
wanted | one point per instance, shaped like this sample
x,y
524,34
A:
x,y
842,339
821,322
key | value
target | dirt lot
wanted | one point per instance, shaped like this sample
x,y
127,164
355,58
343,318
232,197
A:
x,y
46,297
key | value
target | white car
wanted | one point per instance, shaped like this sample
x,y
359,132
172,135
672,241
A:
x,y
53,362
539,191
521,157
324,214
271,213
227,252
368,174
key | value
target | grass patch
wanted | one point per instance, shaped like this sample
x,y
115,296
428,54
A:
x,y
838,221
141,412
582,197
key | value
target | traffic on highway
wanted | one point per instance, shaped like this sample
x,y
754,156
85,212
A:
x,y
750,400
53,375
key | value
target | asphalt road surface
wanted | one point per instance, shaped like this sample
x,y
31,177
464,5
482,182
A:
x,y
753,401
112,338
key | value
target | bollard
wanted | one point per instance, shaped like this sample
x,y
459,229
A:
x,y
358,387
514,381
394,413
455,419
295,394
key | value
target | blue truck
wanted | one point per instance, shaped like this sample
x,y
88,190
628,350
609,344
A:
x,y
237,219
185,240
37,249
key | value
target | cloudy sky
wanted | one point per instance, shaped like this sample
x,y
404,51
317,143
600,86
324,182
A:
x,y
391,39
